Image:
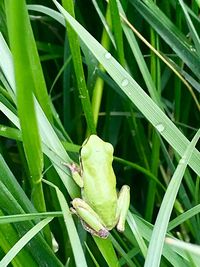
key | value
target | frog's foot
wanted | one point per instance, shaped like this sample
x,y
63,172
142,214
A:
x,y
75,170
103,233
72,166
90,220
122,207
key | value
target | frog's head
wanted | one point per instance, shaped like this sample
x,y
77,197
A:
x,y
96,147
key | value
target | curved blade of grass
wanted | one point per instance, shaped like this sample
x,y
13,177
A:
x,y
140,60
9,180
170,34
171,255
137,234
23,241
184,217
14,201
121,251
48,11
194,249
9,132
6,56
193,31
104,22
92,256
8,237
52,147
71,229
135,93
157,239
47,133
28,217
177,70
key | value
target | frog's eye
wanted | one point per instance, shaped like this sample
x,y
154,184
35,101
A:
x,y
109,148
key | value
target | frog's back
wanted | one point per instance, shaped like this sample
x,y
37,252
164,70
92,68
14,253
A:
x,y
101,195
99,180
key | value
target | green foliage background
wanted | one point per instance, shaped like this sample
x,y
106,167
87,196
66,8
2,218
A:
x,y
131,75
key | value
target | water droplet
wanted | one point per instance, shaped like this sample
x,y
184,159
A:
x,y
182,160
192,48
160,127
125,82
82,96
3,128
108,55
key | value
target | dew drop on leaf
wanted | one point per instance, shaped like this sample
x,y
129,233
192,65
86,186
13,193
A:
x,y
108,55
125,82
160,127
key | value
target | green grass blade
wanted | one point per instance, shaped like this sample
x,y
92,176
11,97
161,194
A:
x,y
48,11
194,249
140,60
52,147
137,234
157,240
9,180
28,217
170,34
14,201
6,56
23,241
8,238
78,67
107,250
9,132
117,29
92,256
70,226
198,2
193,31
104,22
19,40
35,68
184,217
129,86
145,230
121,251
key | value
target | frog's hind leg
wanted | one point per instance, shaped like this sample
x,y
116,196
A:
x,y
103,232
89,218
123,203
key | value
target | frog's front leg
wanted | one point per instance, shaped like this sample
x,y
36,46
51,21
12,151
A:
x,y
75,171
90,219
123,203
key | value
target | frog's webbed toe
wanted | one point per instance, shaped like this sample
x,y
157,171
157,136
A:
x,y
103,233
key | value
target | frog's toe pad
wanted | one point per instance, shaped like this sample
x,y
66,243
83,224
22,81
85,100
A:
x,y
103,233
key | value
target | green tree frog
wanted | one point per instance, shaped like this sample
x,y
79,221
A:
x,y
100,208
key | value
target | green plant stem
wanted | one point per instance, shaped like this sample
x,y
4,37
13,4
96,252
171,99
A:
x,y
155,72
99,84
78,68
19,29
